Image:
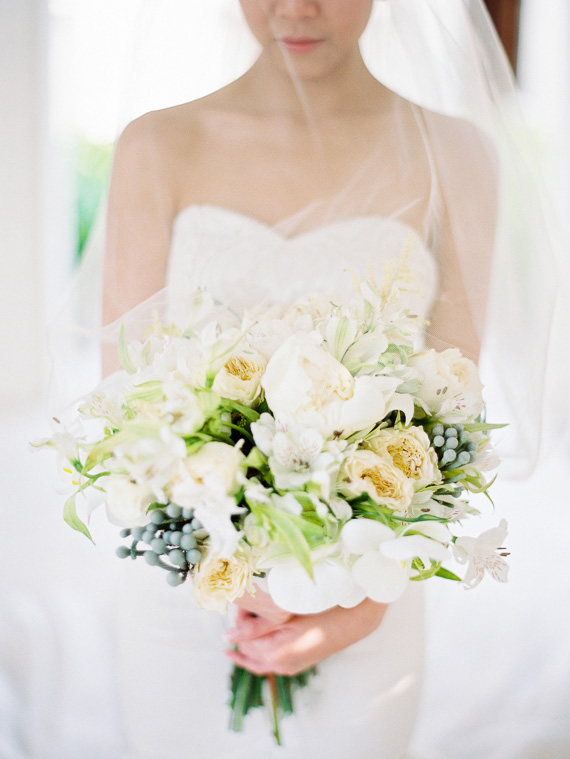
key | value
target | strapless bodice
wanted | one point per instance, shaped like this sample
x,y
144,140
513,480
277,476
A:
x,y
244,262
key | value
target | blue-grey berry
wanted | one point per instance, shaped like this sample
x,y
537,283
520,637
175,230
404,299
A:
x,y
166,536
196,523
187,513
448,456
138,532
157,516
173,511
439,441
175,538
151,558
452,442
123,552
178,558
175,578
194,556
437,429
463,458
187,528
450,432
158,545
125,533
459,428
148,535
187,542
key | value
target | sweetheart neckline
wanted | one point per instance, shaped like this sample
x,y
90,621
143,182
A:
x,y
272,229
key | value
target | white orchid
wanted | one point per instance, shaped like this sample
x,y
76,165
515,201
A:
x,y
383,561
483,554
332,583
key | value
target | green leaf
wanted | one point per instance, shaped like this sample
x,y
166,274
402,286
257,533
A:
x,y
71,518
245,411
447,575
482,427
124,357
289,529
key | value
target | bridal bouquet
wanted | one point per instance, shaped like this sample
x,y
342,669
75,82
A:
x,y
306,446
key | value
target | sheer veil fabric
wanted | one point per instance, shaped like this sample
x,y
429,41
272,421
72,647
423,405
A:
x,y
449,159
442,171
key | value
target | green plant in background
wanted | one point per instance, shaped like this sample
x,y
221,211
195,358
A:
x,y
92,165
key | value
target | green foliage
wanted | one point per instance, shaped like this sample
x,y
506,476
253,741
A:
x,y
92,167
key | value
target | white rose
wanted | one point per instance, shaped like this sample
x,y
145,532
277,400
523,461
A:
x,y
127,501
410,451
218,581
240,377
217,461
365,472
451,387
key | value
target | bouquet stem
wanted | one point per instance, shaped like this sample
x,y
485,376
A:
x,y
247,693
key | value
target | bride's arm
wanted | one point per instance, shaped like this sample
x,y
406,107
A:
x,y
139,218
467,169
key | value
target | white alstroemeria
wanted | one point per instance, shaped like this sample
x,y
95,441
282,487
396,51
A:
x,y
152,461
126,501
366,350
332,584
451,387
213,507
483,554
372,400
297,455
182,409
340,332
383,563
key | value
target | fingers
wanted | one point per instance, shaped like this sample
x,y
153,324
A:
x,y
262,603
249,627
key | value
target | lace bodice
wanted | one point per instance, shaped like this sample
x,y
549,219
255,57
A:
x,y
244,262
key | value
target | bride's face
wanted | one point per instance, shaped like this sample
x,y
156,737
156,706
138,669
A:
x,y
312,36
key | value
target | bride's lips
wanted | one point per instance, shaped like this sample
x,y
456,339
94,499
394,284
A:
x,y
300,44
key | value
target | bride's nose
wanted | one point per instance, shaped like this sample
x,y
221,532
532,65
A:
x,y
296,9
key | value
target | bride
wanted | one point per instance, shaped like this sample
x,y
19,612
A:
x,y
265,190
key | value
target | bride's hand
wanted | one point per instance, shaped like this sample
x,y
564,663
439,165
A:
x,y
262,605
266,647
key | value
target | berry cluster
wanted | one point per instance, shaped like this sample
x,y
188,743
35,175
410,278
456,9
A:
x,y
454,445
175,538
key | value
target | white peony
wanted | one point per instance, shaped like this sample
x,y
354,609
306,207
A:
x,y
451,388
303,380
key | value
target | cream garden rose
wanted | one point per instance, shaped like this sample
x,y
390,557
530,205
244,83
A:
x,y
410,451
217,461
365,472
451,388
218,582
240,377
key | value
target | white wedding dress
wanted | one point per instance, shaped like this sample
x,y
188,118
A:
x,y
172,671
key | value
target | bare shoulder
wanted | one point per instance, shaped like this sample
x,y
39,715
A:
x,y
462,144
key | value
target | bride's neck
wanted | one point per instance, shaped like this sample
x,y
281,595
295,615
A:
x,y
275,91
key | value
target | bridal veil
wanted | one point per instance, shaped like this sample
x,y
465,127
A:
x,y
466,160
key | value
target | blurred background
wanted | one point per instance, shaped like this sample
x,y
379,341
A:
x,y
498,674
